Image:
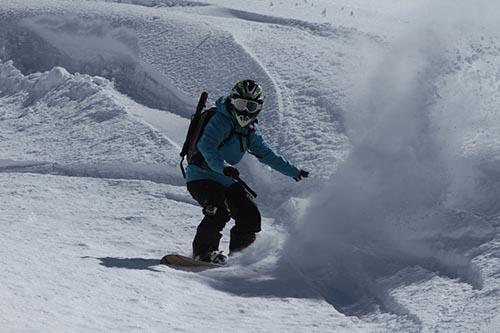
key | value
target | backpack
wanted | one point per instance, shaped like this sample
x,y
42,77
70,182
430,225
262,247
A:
x,y
199,120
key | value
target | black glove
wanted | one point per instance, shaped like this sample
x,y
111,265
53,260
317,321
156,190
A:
x,y
302,174
231,172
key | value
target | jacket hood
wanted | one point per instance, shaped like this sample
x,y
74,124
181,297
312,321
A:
x,y
221,105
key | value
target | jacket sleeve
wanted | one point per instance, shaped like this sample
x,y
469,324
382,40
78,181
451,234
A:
x,y
217,128
260,148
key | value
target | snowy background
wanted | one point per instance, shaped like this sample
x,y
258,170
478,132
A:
x,y
392,105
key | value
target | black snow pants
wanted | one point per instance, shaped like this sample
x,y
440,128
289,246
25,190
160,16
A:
x,y
219,205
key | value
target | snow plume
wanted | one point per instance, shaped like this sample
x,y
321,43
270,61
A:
x,y
401,199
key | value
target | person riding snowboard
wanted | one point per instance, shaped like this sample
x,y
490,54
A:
x,y
211,179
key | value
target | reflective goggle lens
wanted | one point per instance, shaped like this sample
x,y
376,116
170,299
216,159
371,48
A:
x,y
242,104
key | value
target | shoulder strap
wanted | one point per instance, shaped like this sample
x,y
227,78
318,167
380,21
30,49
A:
x,y
204,117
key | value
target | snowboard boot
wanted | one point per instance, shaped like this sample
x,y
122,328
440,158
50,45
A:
x,y
216,257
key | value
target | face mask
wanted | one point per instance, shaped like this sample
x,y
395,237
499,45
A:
x,y
244,118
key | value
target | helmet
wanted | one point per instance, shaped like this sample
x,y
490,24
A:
x,y
246,100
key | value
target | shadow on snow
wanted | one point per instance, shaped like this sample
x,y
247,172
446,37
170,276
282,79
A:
x,y
129,263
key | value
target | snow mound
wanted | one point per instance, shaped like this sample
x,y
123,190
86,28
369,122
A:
x,y
91,133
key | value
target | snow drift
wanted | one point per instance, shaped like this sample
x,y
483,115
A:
x,y
92,47
92,133
409,194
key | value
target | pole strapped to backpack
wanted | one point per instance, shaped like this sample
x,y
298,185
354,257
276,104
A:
x,y
193,127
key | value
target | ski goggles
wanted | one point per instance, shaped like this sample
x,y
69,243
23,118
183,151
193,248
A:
x,y
242,104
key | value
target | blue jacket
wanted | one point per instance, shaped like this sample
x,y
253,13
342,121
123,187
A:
x,y
216,131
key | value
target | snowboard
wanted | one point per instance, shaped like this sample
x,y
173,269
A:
x,y
178,260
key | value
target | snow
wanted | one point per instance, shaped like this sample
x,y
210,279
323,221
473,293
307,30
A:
x,y
88,251
390,105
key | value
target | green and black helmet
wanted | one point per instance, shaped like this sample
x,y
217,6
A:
x,y
246,99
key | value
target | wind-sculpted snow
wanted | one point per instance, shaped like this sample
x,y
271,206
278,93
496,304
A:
x,y
162,59
92,47
143,52
74,124
417,189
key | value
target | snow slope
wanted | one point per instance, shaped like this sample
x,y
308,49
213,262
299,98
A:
x,y
82,254
390,106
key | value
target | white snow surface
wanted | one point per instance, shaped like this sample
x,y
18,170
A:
x,y
390,104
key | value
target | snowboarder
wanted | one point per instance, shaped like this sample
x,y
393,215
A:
x,y
211,179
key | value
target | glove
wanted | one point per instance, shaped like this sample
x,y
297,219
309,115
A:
x,y
302,174
231,172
